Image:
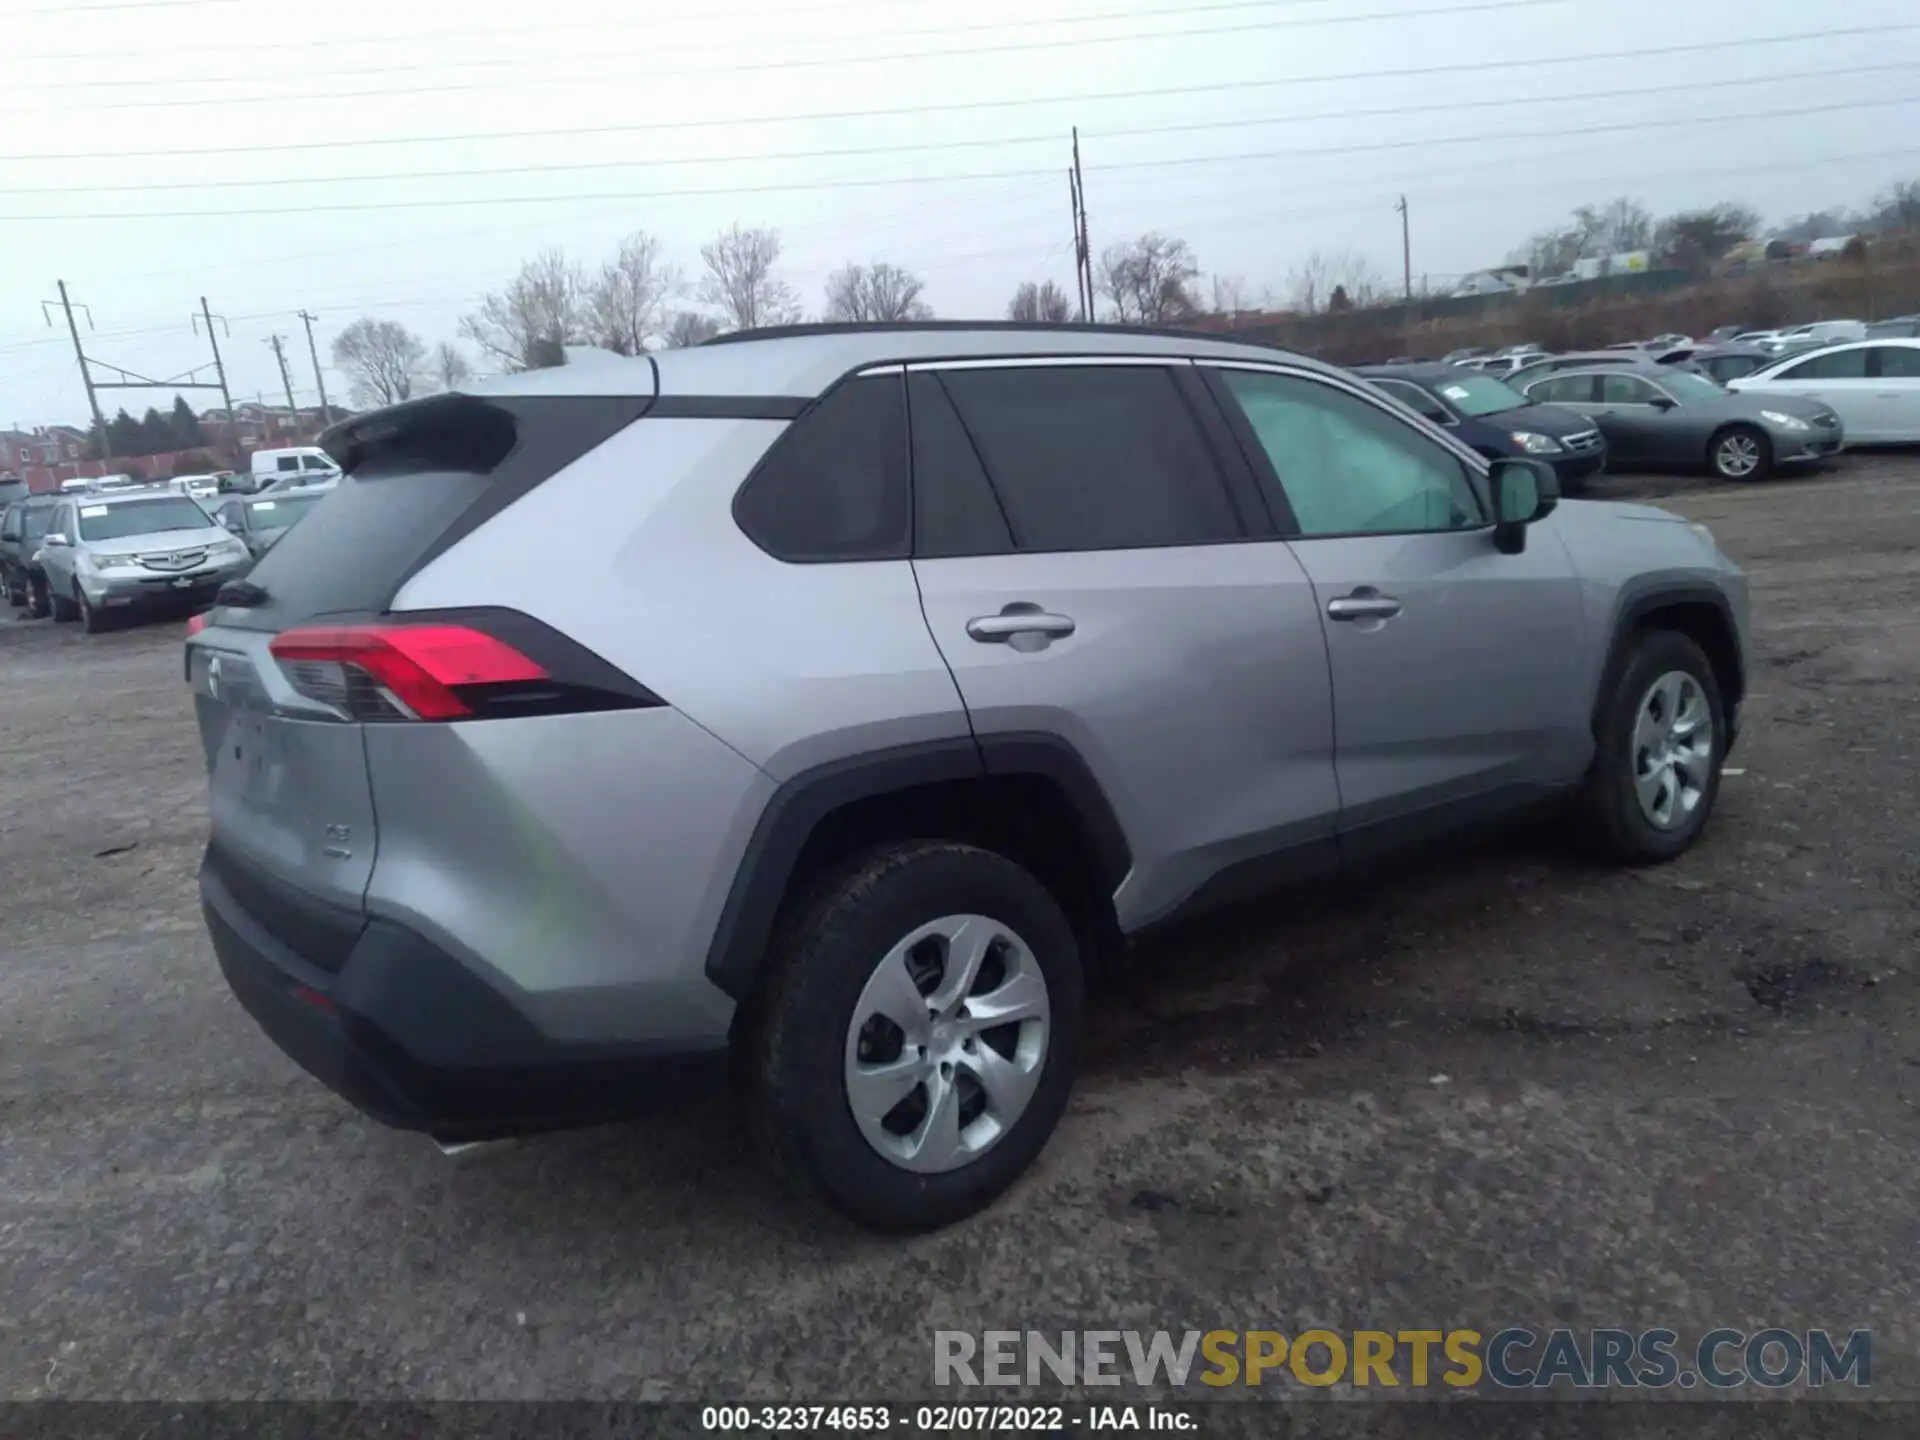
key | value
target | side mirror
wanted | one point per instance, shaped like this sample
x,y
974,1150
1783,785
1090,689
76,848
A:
x,y
1524,491
54,541
1662,402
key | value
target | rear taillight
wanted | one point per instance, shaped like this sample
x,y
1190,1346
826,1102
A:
x,y
398,672
195,624
476,666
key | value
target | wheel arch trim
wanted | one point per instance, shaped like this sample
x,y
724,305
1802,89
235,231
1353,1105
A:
x,y
736,953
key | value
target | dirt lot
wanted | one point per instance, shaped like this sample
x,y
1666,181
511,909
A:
x,y
1509,1090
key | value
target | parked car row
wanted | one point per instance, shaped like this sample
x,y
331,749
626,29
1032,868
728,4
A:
x,y
103,556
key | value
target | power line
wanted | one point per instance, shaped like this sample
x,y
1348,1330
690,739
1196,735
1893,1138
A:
x,y
601,28
282,97
1185,127
1021,102
869,182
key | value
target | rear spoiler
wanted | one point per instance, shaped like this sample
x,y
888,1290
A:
x,y
450,432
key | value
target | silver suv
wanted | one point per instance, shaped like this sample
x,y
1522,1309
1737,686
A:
x,y
130,552
895,677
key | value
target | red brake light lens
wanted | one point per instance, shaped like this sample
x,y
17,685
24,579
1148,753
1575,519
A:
x,y
195,624
419,666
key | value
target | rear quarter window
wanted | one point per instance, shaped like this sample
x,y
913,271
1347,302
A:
x,y
835,485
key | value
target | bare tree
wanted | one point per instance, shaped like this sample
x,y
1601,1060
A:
x,y
876,292
381,360
688,327
1619,225
448,368
1042,304
626,303
540,312
1315,281
1695,238
1147,279
1898,206
1230,296
740,282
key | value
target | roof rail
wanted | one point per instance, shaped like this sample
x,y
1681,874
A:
x,y
1036,327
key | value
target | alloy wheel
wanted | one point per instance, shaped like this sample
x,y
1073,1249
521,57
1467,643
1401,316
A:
x,y
947,1043
1672,750
1739,456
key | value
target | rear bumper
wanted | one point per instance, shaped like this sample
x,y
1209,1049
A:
x,y
414,1039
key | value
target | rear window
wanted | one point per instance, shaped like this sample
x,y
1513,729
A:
x,y
418,478
141,517
280,511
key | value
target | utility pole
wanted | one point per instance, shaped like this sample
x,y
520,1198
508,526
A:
x,y
219,368
1082,247
86,372
319,379
1406,247
279,344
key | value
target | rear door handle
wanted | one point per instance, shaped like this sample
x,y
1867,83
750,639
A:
x,y
1366,603
1018,619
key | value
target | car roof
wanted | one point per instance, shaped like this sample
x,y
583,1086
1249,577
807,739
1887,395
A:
x,y
1424,372
1645,368
804,360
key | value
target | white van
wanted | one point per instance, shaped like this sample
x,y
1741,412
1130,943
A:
x,y
297,461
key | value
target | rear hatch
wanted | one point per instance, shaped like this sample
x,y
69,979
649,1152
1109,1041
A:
x,y
299,656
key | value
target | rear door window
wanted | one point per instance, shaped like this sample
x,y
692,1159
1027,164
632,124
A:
x,y
287,463
955,510
1896,362
834,486
1093,457
1839,365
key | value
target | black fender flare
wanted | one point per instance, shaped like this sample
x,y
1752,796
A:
x,y
1639,599
802,802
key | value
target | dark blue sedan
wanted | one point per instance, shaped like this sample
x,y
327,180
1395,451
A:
x,y
1490,417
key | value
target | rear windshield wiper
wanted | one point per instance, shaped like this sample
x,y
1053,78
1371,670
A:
x,y
240,594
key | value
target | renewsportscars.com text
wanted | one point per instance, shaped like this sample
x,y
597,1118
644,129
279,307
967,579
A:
x,y
1510,1359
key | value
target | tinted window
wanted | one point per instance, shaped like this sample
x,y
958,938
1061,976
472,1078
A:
x,y
1349,467
1625,390
1897,361
10,523
1415,399
1565,389
1730,367
834,487
1836,365
287,462
1094,457
954,508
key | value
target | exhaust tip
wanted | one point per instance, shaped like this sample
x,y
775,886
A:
x,y
470,1149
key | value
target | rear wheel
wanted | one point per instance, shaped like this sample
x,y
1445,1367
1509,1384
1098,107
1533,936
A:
x,y
1740,452
917,1036
36,589
16,590
62,608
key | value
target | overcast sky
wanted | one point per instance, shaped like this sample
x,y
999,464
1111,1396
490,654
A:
x,y
400,159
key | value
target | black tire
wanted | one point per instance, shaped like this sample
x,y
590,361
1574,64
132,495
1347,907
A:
x,y
824,953
17,591
1718,462
92,621
1611,816
37,608
61,608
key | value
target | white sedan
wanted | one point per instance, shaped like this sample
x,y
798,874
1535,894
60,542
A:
x,y
1873,385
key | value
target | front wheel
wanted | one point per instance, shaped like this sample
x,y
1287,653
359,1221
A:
x,y
1661,742
92,621
1740,452
62,608
37,607
917,1036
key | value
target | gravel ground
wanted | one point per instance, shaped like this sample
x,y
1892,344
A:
x,y
1506,1090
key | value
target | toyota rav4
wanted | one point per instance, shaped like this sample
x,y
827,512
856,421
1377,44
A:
x,y
894,678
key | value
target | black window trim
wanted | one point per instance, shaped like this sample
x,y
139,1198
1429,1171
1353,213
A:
x,y
1472,462
1245,499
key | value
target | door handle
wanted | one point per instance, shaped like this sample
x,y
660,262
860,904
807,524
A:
x,y
1365,603
1018,619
